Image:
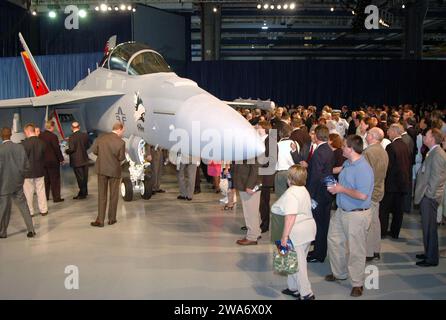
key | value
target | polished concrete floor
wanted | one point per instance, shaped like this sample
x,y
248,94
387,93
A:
x,y
164,248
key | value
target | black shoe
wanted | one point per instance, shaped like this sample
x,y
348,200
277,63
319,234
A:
x,y
153,192
160,191
79,197
376,256
424,263
314,260
3,237
244,228
294,294
59,200
30,234
44,214
309,297
181,198
197,191
188,199
97,224
421,256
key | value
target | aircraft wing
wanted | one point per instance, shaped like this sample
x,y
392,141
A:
x,y
240,104
59,97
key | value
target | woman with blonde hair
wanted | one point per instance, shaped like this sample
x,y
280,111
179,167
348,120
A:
x,y
299,227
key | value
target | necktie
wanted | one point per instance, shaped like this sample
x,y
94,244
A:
x,y
310,154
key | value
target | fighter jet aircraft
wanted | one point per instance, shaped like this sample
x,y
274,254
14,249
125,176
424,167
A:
x,y
134,84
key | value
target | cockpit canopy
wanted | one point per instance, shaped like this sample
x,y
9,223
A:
x,y
135,59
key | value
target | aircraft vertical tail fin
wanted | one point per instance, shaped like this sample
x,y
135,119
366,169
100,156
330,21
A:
x,y
111,43
35,77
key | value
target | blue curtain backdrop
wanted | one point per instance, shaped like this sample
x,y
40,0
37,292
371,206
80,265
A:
x,y
286,82
59,71
351,82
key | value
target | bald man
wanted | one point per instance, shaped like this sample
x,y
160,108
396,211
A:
x,y
379,161
78,145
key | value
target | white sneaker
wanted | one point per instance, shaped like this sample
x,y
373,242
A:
x,y
224,200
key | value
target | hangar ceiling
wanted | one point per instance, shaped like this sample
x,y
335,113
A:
x,y
322,29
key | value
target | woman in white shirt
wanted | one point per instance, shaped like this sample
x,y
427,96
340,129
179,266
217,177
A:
x,y
299,227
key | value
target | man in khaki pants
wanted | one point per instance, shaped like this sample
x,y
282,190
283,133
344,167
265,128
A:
x,y
110,149
379,160
245,178
35,177
347,234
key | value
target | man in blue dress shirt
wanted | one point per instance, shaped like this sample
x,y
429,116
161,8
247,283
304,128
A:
x,y
347,235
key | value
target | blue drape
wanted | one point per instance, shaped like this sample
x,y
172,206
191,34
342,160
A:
x,y
351,82
59,71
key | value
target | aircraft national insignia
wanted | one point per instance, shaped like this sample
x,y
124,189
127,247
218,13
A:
x,y
120,116
140,110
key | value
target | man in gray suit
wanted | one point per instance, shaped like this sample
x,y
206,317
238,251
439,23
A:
x,y
13,165
110,149
429,191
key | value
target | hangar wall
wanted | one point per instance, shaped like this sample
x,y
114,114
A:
x,y
173,43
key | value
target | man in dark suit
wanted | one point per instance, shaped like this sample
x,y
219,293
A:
x,y
13,165
52,161
267,179
156,155
396,184
78,145
301,136
320,166
34,178
429,191
110,149
410,143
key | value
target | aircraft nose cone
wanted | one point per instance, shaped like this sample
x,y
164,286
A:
x,y
218,132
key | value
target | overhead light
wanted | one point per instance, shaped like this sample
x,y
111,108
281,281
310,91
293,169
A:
x,y
285,6
116,8
331,9
134,9
252,46
264,27
259,6
109,8
122,7
403,6
96,8
82,13
34,13
353,12
265,6
103,7
292,6
129,8
279,7
52,14
215,9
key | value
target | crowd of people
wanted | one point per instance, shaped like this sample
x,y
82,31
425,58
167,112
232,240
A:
x,y
362,168
339,177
